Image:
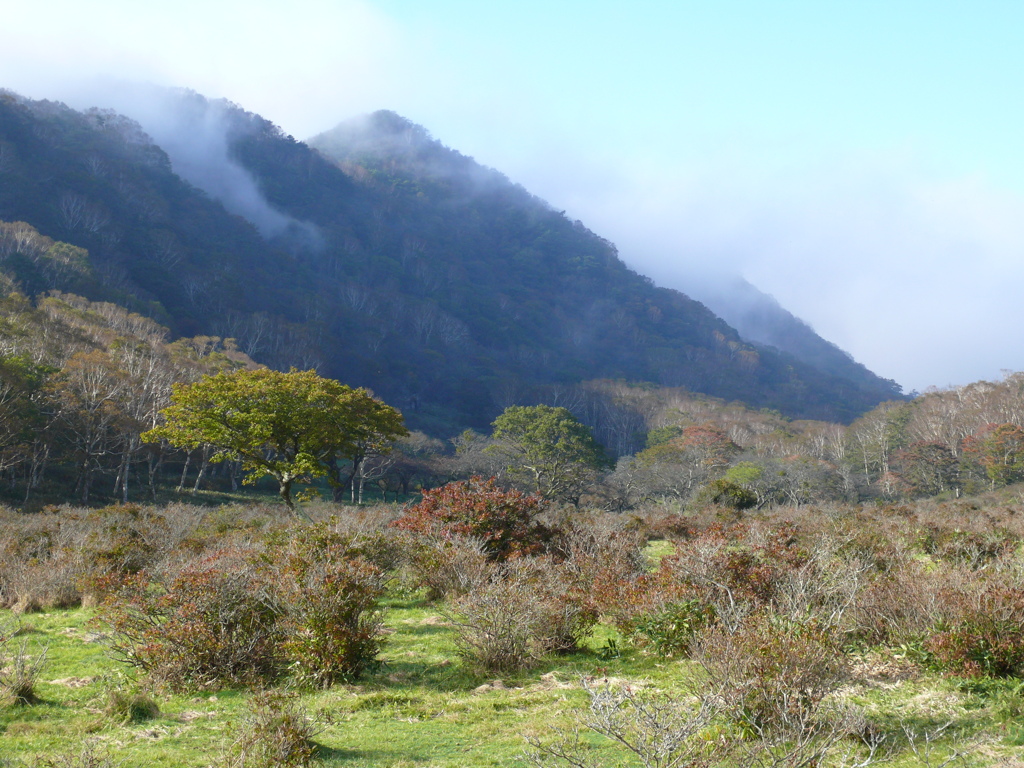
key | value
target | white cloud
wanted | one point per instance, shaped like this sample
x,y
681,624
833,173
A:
x,y
304,64
915,275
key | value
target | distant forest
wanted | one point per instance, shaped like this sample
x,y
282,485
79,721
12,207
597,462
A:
x,y
80,381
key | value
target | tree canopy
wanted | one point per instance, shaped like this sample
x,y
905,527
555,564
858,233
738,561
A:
x,y
291,426
548,449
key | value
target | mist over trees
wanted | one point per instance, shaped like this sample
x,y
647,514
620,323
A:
x,y
402,265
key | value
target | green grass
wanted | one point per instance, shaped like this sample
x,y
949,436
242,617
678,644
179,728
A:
x,y
423,709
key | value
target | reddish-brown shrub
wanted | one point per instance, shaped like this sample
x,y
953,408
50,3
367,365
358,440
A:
x,y
505,521
217,622
985,634
333,624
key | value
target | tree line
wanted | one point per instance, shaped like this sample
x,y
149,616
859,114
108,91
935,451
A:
x,y
86,389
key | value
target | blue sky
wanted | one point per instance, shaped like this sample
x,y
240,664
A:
x,y
858,160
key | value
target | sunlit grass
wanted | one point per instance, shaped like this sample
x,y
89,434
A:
x,y
423,709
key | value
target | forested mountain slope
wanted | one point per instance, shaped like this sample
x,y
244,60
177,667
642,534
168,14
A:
x,y
760,319
374,253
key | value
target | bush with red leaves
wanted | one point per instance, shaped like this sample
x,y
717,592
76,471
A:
x,y
505,521
985,637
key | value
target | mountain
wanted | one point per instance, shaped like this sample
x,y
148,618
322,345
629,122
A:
x,y
761,320
372,252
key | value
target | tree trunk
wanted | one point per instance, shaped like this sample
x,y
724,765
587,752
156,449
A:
x,y
184,471
202,469
286,495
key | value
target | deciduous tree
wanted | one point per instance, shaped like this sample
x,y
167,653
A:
x,y
290,426
548,450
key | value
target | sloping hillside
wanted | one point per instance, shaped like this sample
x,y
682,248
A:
x,y
378,255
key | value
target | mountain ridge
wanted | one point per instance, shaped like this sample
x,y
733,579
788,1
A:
x,y
443,286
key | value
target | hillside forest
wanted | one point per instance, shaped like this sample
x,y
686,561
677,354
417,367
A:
x,y
377,256
80,381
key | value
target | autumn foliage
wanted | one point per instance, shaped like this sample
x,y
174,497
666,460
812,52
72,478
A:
x,y
505,521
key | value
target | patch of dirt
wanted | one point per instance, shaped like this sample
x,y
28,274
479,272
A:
x,y
74,682
883,671
550,682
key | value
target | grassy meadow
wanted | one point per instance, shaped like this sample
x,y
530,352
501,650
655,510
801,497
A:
x,y
428,702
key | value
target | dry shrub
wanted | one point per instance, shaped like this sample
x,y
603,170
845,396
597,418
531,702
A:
x,y
447,566
734,575
58,557
372,535
235,522
660,730
773,675
973,549
275,734
247,615
87,755
599,549
215,623
19,672
825,586
898,606
693,725
527,609
982,633
37,567
718,574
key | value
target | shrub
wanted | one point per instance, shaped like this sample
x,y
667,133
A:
x,y
715,574
19,671
118,538
506,521
599,553
449,566
275,734
333,627
88,755
671,629
522,613
985,635
727,493
969,548
130,707
37,568
216,622
773,675
660,730
898,606
732,574
689,726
